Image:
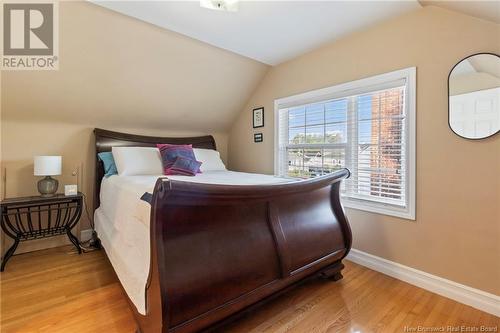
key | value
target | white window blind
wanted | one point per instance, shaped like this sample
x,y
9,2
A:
x,y
365,126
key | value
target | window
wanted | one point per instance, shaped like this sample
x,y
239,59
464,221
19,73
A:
x,y
367,126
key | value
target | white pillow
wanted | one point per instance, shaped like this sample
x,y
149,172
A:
x,y
134,161
210,159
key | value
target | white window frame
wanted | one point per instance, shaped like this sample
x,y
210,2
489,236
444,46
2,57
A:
x,y
352,88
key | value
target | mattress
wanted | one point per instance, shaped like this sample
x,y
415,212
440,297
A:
x,y
122,222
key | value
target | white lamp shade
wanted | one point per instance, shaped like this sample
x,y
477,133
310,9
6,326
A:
x,y
47,165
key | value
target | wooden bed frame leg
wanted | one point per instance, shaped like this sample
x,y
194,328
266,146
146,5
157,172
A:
x,y
336,276
332,272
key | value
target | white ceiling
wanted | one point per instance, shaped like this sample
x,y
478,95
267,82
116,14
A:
x,y
267,31
487,10
479,63
463,68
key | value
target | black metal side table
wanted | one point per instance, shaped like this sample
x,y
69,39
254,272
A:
x,y
29,218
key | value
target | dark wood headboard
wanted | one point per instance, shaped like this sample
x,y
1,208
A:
x,y
105,140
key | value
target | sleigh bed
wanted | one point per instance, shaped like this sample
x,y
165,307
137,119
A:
x,y
212,251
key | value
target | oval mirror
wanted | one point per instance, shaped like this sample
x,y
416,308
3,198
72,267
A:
x,y
474,96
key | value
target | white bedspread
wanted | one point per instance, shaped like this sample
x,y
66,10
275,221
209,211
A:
x,y
122,222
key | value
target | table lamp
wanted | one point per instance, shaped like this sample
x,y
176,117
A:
x,y
47,166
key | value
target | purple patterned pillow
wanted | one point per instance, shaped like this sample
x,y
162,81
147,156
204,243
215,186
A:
x,y
184,166
169,153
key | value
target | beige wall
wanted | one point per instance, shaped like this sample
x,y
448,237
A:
x,y
457,231
122,74
118,71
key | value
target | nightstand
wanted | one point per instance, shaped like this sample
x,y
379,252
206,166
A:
x,y
28,218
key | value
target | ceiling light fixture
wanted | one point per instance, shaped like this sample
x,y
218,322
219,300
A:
x,y
224,5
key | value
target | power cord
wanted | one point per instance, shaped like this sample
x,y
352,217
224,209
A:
x,y
94,243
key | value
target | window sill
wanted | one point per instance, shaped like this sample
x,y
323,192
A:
x,y
377,208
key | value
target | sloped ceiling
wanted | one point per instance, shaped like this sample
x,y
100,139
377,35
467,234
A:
x,y
486,10
268,31
116,71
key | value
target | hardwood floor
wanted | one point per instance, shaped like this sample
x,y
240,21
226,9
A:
x,y
58,291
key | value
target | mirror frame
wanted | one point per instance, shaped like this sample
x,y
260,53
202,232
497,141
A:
x,y
448,93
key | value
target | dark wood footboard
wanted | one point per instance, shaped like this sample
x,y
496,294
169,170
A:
x,y
218,250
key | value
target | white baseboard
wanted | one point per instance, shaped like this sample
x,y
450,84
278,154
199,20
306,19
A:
x,y
41,244
476,298
85,235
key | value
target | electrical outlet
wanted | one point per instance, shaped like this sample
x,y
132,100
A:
x,y
86,235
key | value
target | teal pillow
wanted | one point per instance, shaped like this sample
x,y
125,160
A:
x,y
109,163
